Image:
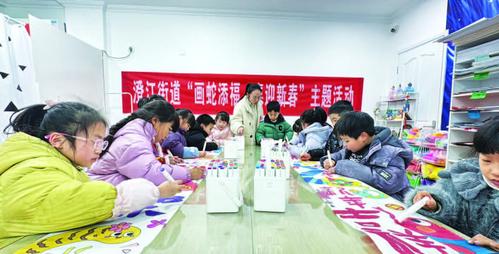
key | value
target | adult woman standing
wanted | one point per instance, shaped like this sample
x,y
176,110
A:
x,y
247,113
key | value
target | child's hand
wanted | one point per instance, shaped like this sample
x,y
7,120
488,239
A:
x,y
161,159
196,173
168,189
331,170
305,156
431,204
177,159
484,241
240,131
202,154
329,164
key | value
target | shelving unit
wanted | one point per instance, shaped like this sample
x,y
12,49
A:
x,y
429,149
468,94
464,129
392,112
475,89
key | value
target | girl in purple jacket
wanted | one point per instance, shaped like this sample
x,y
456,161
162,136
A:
x,y
176,142
130,153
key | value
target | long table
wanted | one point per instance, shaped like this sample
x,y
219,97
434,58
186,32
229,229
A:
x,y
307,226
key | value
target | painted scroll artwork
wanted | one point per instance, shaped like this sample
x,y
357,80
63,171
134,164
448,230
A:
x,y
373,212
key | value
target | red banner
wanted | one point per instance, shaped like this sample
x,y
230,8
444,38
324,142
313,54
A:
x,y
211,93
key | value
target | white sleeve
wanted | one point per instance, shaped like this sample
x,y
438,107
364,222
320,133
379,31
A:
x,y
134,194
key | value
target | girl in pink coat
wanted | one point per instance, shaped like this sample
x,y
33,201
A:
x,y
221,131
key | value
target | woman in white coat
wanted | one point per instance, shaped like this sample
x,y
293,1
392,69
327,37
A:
x,y
248,113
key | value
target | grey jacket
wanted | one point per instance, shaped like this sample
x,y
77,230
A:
x,y
465,201
383,167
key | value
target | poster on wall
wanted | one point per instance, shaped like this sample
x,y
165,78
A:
x,y
211,93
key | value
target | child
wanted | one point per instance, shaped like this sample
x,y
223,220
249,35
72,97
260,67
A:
x,y
221,131
297,128
274,126
176,142
338,109
145,100
130,153
197,135
379,161
467,195
333,143
314,134
43,186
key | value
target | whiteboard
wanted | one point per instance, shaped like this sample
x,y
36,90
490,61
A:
x,y
66,68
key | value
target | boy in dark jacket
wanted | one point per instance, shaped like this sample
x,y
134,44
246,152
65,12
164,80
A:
x,y
378,160
274,126
197,135
333,143
467,195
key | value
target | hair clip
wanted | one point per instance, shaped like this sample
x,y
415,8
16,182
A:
x,y
49,104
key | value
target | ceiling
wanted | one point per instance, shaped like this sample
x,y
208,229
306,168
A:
x,y
364,8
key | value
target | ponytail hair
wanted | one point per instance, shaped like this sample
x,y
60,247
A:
x,y
161,109
250,87
145,100
65,117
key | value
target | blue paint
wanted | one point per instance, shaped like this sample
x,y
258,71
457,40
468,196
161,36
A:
x,y
174,199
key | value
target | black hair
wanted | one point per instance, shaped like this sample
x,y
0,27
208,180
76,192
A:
x,y
188,116
250,87
223,116
161,109
205,119
154,97
314,115
340,107
297,127
273,106
352,124
486,139
68,118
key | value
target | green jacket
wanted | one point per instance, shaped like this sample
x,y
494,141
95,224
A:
x,y
278,130
41,191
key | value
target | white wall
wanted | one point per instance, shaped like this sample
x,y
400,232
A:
x,y
419,22
179,40
195,43
86,23
66,69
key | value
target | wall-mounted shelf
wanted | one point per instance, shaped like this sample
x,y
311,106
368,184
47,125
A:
x,y
477,51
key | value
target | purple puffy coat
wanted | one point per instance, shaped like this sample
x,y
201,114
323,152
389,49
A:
x,y
131,155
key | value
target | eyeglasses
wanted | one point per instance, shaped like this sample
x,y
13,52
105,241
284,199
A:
x,y
99,144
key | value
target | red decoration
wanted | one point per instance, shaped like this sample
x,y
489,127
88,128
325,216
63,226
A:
x,y
211,93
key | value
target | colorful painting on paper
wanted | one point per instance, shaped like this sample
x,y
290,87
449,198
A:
x,y
130,233
373,212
